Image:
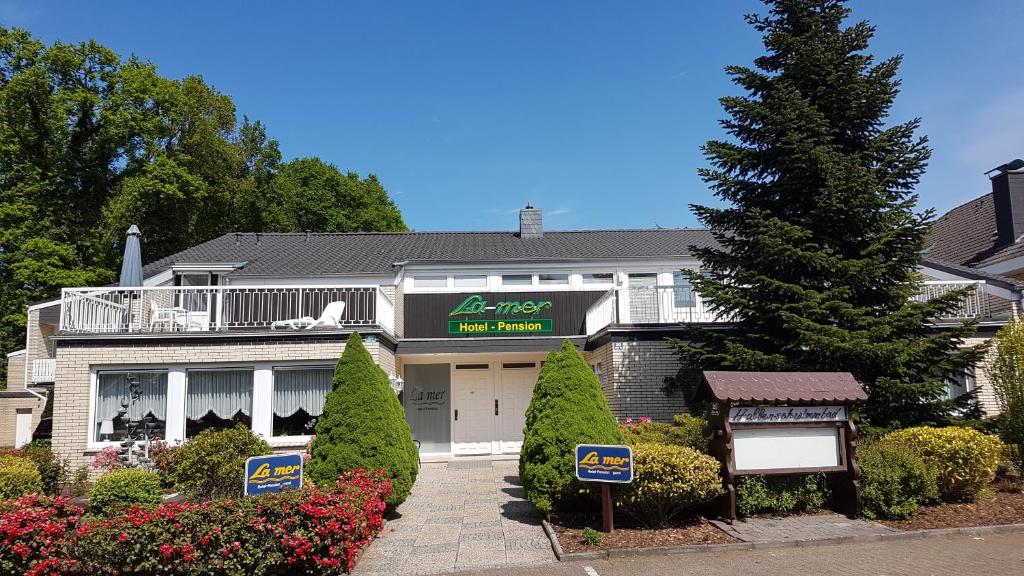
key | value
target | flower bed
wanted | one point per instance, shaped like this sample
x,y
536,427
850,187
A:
x,y
307,531
696,530
1000,508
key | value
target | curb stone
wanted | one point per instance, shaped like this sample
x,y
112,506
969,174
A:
x,y
737,546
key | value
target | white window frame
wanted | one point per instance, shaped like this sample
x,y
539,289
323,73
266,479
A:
x,y
482,278
293,440
262,398
443,278
532,279
94,382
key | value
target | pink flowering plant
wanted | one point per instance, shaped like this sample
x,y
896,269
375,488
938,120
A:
x,y
107,459
308,531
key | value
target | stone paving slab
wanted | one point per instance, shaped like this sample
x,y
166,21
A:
x,y
461,515
806,527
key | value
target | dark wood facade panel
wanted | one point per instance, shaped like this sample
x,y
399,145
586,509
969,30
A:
x,y
427,315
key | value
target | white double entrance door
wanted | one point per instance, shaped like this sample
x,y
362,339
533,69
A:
x,y
489,402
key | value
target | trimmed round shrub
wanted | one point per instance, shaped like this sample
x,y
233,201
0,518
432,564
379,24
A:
x,y
18,476
685,430
965,460
363,426
212,464
52,470
124,487
894,480
780,494
669,480
567,408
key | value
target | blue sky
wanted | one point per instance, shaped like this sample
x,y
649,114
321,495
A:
x,y
592,110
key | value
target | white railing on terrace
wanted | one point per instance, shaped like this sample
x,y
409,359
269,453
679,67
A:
x,y
44,370
219,308
976,304
648,305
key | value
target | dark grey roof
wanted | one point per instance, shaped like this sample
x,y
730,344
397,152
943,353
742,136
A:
x,y
966,235
278,254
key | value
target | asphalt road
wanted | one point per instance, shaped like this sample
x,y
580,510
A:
x,y
989,555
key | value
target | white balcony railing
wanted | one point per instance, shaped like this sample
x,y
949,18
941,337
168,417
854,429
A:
x,y
44,370
648,305
976,304
220,308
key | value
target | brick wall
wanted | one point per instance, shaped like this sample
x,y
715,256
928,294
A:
x,y
16,372
633,379
77,359
986,396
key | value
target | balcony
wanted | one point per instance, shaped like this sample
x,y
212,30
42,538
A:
x,y
223,309
981,303
648,305
44,370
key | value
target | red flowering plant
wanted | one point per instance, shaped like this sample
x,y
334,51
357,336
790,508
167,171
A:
x,y
309,531
107,459
33,533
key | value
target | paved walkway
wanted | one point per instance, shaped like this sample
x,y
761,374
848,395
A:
x,y
461,515
989,555
816,527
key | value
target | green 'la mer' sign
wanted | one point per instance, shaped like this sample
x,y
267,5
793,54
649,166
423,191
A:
x,y
476,304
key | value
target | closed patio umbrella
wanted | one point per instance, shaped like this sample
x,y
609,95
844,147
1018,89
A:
x,y
131,266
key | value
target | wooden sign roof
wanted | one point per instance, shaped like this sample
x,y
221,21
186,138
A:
x,y
780,387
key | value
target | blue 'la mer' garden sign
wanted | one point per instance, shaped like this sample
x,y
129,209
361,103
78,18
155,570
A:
x,y
602,463
274,473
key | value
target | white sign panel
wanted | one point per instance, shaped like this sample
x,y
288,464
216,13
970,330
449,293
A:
x,y
787,414
786,447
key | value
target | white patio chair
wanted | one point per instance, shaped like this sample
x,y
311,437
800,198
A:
x,y
331,317
167,316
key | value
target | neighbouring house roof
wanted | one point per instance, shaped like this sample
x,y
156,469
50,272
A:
x,y
299,254
966,235
779,387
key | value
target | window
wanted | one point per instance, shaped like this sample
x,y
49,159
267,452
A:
x,y
553,278
125,396
598,278
959,385
217,399
470,280
430,281
299,395
517,279
682,291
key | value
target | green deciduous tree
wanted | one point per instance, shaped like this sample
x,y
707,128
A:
x,y
363,426
1006,377
818,236
91,143
567,408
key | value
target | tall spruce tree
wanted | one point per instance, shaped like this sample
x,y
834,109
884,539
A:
x,y
819,235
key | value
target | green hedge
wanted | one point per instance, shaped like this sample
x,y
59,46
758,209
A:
x,y
363,426
567,408
894,480
685,430
212,464
780,494
18,476
124,487
668,480
965,460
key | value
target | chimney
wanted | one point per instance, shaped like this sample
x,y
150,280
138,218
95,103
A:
x,y
531,222
1008,199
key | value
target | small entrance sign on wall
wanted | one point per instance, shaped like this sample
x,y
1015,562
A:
x,y
274,473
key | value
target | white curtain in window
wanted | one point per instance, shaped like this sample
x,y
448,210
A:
x,y
111,387
304,388
224,392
